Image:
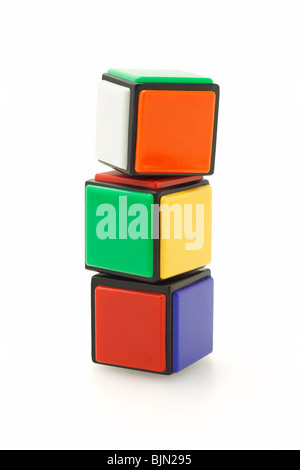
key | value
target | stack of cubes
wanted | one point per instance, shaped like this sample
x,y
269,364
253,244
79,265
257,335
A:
x,y
149,221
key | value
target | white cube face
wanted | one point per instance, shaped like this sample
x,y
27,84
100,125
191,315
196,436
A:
x,y
112,124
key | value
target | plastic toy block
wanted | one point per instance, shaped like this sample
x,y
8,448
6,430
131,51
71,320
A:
x,y
148,234
157,123
161,328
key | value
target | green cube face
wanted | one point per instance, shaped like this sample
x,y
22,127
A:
x,y
118,234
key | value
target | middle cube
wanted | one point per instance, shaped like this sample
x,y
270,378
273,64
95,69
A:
x,y
146,229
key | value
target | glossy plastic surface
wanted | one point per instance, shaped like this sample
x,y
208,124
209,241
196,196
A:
x,y
174,131
192,324
130,328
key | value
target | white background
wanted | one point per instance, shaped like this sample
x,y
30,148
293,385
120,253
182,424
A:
x,y
244,396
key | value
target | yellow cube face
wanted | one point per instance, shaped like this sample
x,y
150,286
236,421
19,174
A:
x,y
185,231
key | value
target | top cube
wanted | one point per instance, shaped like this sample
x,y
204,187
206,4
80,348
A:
x,y
157,122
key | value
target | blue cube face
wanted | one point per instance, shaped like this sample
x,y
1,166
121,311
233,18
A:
x,y
192,323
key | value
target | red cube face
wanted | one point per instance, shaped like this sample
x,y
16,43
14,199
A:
x,y
130,328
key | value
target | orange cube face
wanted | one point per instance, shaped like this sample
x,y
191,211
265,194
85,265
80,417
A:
x,y
175,131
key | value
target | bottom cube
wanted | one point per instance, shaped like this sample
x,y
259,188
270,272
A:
x,y
161,328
